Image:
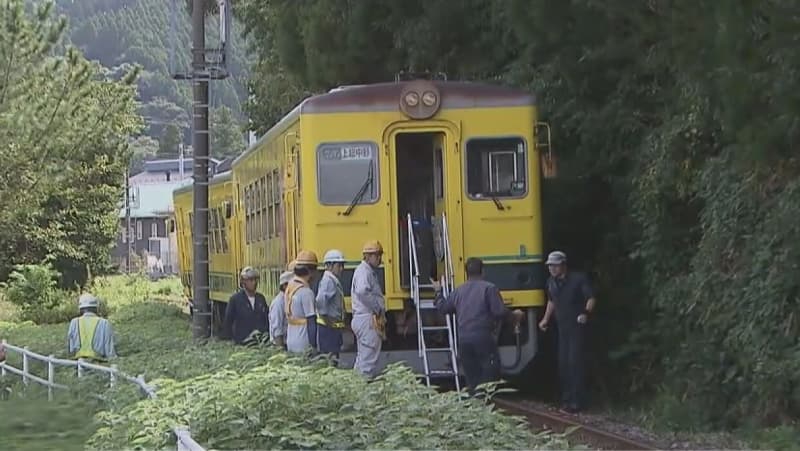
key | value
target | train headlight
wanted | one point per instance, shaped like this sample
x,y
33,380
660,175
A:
x,y
412,99
420,99
429,98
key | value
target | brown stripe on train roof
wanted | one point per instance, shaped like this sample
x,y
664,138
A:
x,y
386,97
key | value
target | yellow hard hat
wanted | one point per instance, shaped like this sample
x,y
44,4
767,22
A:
x,y
372,247
306,258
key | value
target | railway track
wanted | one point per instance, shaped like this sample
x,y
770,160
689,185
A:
x,y
584,433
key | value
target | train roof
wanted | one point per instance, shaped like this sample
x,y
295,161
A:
x,y
386,97
216,178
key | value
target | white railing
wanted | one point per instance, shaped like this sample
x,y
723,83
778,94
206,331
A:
x,y
182,435
449,282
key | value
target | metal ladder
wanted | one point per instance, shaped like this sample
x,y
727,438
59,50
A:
x,y
428,304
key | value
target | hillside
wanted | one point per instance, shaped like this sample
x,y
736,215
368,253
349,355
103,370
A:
x,y
156,35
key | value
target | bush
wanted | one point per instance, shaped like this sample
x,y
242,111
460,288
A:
x,y
286,404
34,290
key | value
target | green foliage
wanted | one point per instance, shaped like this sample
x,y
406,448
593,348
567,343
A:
x,y
66,426
118,33
65,130
34,290
168,142
676,127
227,136
236,408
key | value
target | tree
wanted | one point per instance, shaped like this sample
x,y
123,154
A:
x,y
142,148
679,182
227,136
65,132
169,141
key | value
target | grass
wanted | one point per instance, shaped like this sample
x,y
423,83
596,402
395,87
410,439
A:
x,y
153,338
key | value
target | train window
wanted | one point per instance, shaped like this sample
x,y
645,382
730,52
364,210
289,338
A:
x,y
247,214
347,173
223,232
267,201
496,167
276,201
268,213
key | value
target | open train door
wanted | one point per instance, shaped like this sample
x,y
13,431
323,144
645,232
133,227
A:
x,y
291,194
425,162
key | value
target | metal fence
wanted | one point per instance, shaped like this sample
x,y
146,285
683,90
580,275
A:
x,y
182,435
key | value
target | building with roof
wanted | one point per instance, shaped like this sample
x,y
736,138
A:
x,y
151,239
160,171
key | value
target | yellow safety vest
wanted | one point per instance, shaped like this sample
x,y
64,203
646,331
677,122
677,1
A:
x,y
331,322
294,285
87,326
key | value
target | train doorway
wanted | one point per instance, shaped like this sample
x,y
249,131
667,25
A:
x,y
420,192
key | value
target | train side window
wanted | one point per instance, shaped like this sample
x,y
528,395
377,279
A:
x,y
248,207
347,172
223,232
257,213
269,231
496,167
277,197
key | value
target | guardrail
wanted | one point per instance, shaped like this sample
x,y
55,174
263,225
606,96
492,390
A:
x,y
184,439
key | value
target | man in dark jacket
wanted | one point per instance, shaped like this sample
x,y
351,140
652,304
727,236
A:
x,y
479,308
247,309
570,297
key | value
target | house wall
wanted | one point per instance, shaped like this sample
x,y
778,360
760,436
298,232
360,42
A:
x,y
141,242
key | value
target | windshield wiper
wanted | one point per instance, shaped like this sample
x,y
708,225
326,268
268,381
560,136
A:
x,y
497,202
363,190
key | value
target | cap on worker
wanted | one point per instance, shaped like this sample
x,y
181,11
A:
x,y
556,258
306,258
372,247
87,301
286,277
248,272
333,256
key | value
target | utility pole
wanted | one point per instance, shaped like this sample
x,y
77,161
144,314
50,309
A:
x,y
203,70
200,279
128,234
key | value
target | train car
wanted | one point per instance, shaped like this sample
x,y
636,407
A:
x,y
371,161
224,241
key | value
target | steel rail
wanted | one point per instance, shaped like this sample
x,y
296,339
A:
x,y
586,434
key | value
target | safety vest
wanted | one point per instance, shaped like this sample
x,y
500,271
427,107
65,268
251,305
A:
x,y
334,323
294,285
87,326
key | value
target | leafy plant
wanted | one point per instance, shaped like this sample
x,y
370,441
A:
x,y
287,403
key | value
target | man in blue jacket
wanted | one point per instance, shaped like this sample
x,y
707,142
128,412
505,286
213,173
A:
x,y
247,309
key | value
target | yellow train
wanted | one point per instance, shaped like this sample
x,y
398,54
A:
x,y
352,164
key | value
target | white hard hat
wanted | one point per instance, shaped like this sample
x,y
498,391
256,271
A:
x,y
248,272
87,301
286,277
556,258
333,256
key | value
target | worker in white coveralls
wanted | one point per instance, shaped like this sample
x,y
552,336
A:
x,y
301,333
90,336
330,306
277,312
369,310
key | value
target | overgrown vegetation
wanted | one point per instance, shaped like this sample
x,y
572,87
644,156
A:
x,y
285,403
676,126
229,395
